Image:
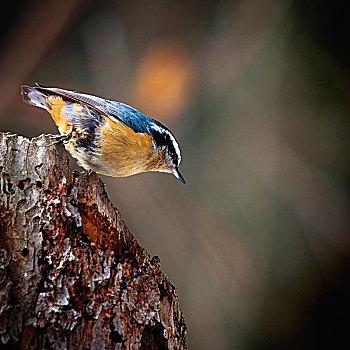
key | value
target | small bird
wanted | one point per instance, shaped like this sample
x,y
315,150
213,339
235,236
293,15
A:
x,y
106,136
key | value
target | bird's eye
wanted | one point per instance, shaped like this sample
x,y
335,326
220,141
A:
x,y
172,155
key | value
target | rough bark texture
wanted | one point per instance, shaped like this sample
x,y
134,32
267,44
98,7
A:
x,y
72,276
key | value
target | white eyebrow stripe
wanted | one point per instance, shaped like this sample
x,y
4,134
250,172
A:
x,y
158,128
176,146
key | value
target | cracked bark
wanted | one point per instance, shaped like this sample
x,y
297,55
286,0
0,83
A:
x,y
71,274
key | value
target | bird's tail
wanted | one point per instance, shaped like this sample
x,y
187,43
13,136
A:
x,y
33,96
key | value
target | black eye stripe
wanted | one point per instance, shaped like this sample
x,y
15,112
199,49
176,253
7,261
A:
x,y
161,139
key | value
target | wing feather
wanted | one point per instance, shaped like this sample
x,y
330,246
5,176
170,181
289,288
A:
x,y
126,114
93,101
130,116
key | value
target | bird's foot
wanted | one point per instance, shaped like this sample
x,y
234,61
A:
x,y
61,138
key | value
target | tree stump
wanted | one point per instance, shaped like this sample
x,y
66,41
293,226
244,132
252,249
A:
x,y
72,276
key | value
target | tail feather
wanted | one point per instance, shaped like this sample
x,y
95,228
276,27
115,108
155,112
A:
x,y
33,96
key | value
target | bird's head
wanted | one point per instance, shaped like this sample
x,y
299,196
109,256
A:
x,y
164,140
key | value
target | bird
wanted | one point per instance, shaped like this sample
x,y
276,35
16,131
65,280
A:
x,y
108,137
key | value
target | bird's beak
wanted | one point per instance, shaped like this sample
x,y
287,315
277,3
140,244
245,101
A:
x,y
178,175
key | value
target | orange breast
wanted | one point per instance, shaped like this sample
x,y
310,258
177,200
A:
x,y
126,152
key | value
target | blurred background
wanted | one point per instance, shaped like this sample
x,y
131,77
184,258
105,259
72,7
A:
x,y
257,93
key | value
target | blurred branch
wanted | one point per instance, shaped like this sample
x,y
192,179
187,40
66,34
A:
x,y
35,32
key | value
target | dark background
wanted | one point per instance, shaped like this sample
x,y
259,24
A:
x,y
257,93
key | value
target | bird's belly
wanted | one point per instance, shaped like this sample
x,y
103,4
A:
x,y
119,163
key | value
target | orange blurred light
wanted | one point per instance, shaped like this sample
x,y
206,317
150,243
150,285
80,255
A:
x,y
164,81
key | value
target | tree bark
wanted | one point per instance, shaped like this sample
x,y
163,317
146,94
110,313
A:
x,y
72,276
